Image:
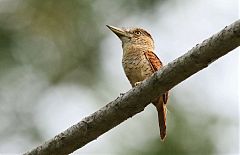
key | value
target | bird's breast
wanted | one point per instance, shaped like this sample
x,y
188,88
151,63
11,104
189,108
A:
x,y
136,67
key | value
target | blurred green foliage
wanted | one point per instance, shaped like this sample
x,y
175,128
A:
x,y
55,37
183,138
140,6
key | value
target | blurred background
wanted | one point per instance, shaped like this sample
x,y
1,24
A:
x,y
60,63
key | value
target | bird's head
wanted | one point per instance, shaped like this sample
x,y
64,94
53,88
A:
x,y
133,37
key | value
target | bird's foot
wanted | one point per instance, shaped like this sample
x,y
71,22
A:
x,y
137,84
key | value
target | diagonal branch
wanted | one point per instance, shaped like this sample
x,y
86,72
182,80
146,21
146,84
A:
x,y
135,100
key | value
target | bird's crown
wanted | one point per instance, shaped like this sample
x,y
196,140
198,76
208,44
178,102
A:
x,y
139,31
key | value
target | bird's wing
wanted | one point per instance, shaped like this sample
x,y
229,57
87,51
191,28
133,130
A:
x,y
160,103
156,64
153,60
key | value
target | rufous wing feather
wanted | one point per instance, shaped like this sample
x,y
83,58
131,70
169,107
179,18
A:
x,y
161,102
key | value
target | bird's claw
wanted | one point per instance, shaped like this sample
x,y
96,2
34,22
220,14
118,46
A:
x,y
137,84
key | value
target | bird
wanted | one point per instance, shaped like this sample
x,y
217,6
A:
x,y
139,62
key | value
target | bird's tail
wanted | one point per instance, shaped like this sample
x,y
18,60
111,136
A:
x,y
161,108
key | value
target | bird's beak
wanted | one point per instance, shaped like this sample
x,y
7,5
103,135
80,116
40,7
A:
x,y
118,31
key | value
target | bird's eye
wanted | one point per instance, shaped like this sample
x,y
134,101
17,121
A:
x,y
137,32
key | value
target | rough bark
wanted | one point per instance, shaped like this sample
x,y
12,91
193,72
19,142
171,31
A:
x,y
135,100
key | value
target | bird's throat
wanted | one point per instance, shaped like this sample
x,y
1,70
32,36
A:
x,y
136,49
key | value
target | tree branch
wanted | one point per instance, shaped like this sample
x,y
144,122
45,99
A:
x,y
135,100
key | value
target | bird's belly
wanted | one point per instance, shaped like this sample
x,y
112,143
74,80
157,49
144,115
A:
x,y
136,69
